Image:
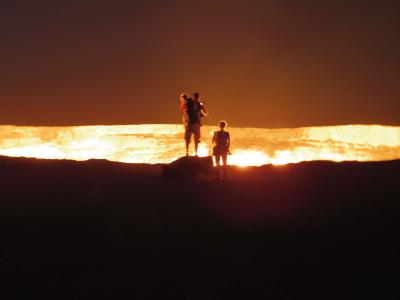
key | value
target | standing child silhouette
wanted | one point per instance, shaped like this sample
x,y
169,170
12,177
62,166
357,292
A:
x,y
221,142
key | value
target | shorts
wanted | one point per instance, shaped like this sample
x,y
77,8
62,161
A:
x,y
220,150
192,129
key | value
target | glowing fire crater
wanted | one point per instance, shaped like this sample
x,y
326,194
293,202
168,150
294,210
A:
x,y
164,143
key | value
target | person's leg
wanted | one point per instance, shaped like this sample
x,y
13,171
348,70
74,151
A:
x,y
196,137
188,135
224,163
187,139
217,163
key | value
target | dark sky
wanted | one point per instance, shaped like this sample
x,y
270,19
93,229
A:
x,y
276,63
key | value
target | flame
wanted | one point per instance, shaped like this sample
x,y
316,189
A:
x,y
160,143
245,158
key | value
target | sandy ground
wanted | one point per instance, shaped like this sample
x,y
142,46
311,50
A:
x,y
97,229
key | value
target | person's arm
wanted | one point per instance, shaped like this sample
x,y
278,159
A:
x,y
228,141
204,109
214,137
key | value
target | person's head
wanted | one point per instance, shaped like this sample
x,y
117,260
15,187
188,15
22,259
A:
x,y
222,125
183,97
196,96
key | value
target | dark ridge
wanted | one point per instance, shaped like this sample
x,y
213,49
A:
x,y
100,229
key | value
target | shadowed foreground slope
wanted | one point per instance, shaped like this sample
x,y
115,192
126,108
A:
x,y
96,229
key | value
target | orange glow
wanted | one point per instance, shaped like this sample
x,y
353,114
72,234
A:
x,y
245,158
164,143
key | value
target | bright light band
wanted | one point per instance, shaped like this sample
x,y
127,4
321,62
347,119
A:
x,y
160,143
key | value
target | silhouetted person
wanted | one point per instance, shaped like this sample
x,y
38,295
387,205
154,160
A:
x,y
184,98
193,110
221,143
